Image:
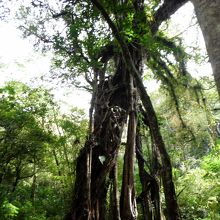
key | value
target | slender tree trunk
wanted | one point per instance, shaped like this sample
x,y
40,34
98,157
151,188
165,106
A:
x,y
208,15
34,183
128,200
150,196
60,135
144,197
17,175
56,161
114,200
172,208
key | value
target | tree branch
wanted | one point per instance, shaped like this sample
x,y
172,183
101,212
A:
x,y
168,8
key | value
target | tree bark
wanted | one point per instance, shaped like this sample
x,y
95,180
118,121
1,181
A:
x,y
114,203
150,196
164,12
172,207
128,200
99,155
208,15
105,132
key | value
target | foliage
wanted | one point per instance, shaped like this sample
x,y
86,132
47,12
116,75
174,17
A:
x,y
196,163
199,188
8,210
37,161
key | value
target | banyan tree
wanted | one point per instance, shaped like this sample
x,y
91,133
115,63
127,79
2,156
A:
x,y
109,44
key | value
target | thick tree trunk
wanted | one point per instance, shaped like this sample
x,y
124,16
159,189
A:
x,y
81,202
208,15
110,115
99,155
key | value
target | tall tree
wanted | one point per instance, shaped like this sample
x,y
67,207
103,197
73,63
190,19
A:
x,y
132,58
108,42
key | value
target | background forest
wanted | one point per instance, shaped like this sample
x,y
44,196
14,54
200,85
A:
x,y
59,164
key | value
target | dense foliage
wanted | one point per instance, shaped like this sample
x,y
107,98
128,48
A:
x,y
194,151
38,149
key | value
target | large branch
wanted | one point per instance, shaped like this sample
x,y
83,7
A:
x,y
164,12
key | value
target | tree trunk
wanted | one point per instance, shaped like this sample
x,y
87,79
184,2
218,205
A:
x,y
111,111
57,162
144,197
128,200
17,174
34,183
99,155
172,208
150,196
114,203
208,15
